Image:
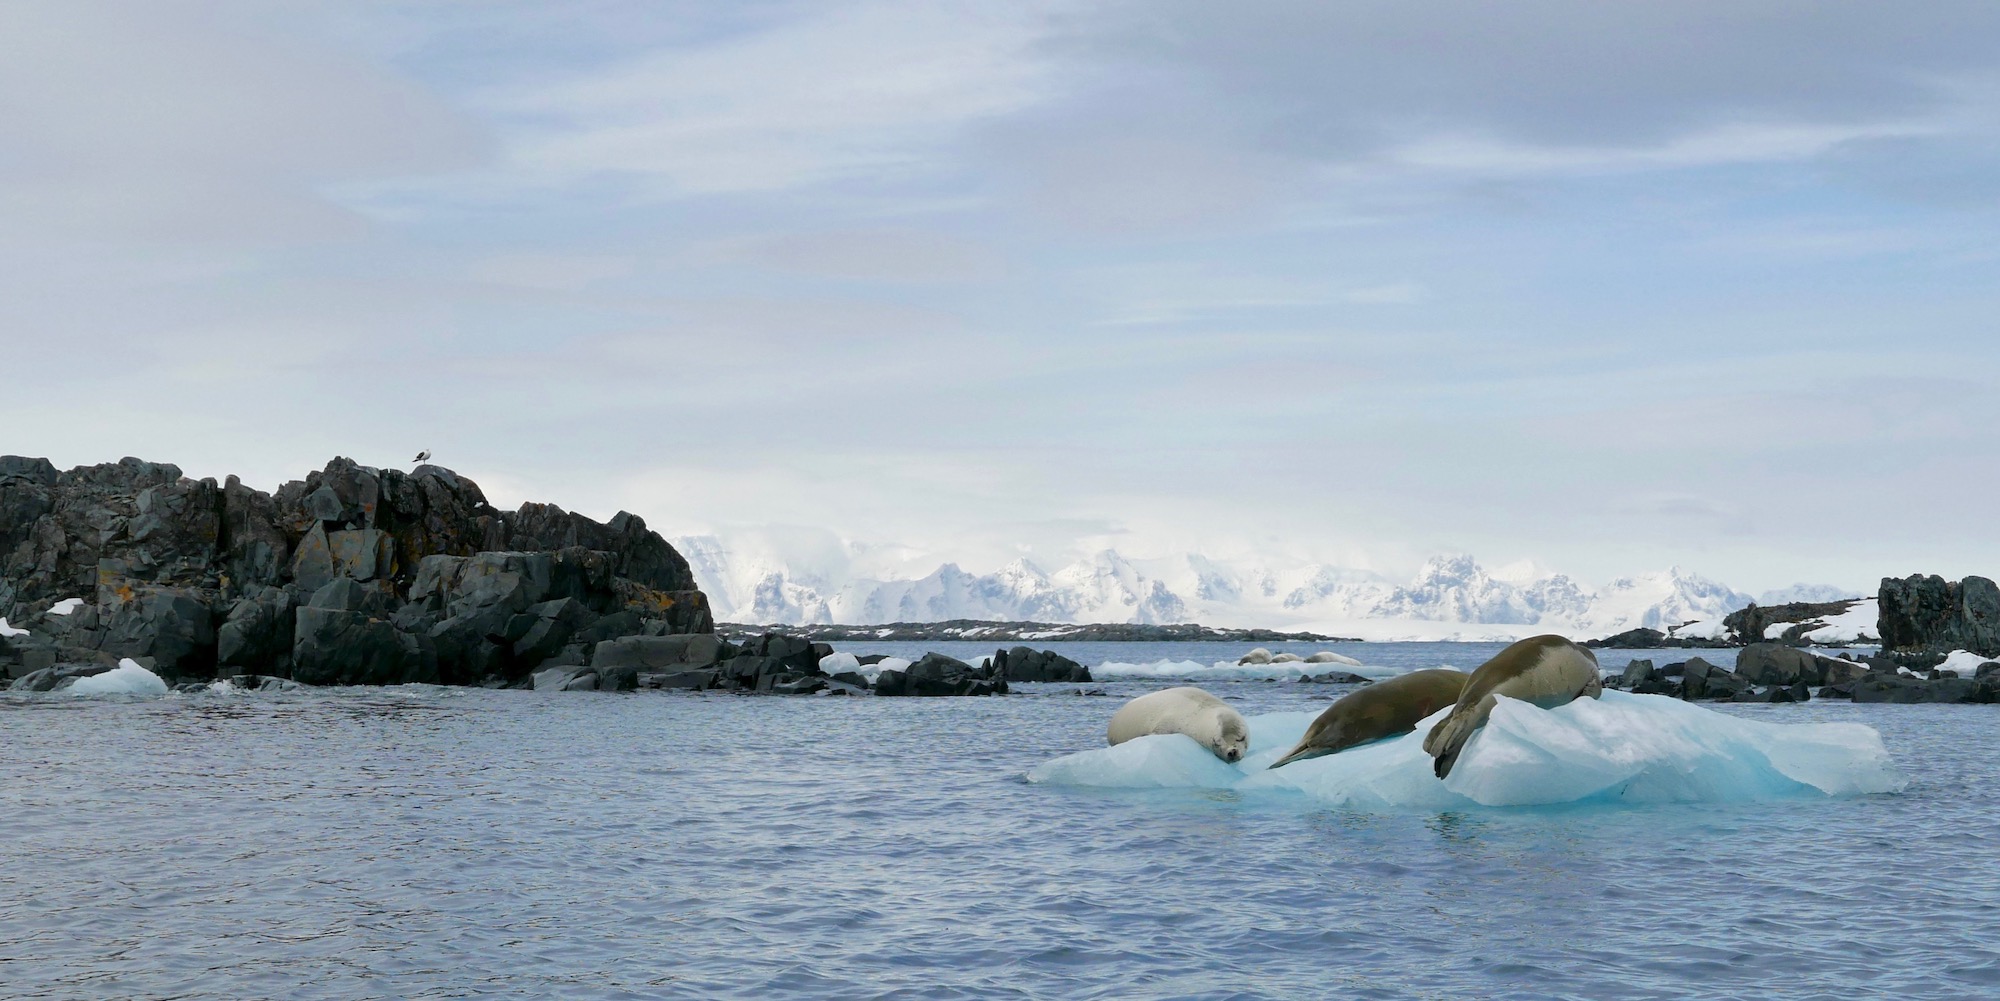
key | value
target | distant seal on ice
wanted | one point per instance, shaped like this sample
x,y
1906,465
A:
x,y
1383,709
1545,670
1329,657
1186,710
1257,656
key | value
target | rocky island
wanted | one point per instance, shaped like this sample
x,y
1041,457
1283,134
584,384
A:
x,y
363,576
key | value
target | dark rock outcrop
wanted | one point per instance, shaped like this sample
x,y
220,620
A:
x,y
353,575
1929,614
937,674
1752,624
1026,664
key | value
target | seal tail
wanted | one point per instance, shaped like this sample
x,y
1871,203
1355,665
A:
x,y
1447,739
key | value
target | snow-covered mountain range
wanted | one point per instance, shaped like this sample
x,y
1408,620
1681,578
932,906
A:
x,y
1452,597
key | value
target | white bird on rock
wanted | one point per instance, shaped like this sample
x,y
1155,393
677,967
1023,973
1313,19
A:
x,y
423,456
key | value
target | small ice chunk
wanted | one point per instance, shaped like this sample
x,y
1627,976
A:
x,y
128,678
9,631
867,671
65,606
1965,662
838,663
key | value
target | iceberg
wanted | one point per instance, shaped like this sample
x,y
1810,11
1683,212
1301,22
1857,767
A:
x,y
128,678
1622,748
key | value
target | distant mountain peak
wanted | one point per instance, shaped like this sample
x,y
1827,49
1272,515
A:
x,y
1451,594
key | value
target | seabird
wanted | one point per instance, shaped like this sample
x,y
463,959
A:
x,y
423,456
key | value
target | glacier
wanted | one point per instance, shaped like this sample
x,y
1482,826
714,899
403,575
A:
x,y
1452,597
1620,749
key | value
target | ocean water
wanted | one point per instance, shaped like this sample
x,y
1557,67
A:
x,y
446,843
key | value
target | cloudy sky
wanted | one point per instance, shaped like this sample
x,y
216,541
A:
x,y
1605,286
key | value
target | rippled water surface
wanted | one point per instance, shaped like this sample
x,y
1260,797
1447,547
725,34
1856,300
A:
x,y
442,843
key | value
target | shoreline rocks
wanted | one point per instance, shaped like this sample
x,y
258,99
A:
x,y
353,575
1773,672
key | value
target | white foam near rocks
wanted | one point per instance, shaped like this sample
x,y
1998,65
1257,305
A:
x,y
1622,748
128,678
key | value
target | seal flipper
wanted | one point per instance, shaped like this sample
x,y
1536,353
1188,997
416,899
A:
x,y
1448,737
1442,766
1301,754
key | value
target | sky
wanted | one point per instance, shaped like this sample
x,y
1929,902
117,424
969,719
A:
x,y
1608,287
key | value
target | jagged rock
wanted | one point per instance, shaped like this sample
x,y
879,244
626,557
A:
x,y
640,555
786,653
548,628
1703,680
1637,672
173,626
1641,638
1837,671
257,632
1882,686
1026,664
1772,664
150,545
1930,614
700,680
1658,686
49,679
610,627
334,646
657,653
936,674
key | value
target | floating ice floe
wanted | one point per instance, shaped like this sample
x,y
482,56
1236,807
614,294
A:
x,y
128,678
66,606
1622,748
1191,670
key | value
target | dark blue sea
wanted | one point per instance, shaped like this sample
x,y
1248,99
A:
x,y
462,843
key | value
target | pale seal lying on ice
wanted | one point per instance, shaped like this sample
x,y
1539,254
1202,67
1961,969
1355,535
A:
x,y
1186,710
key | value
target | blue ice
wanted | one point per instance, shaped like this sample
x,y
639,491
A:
x,y
1621,748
